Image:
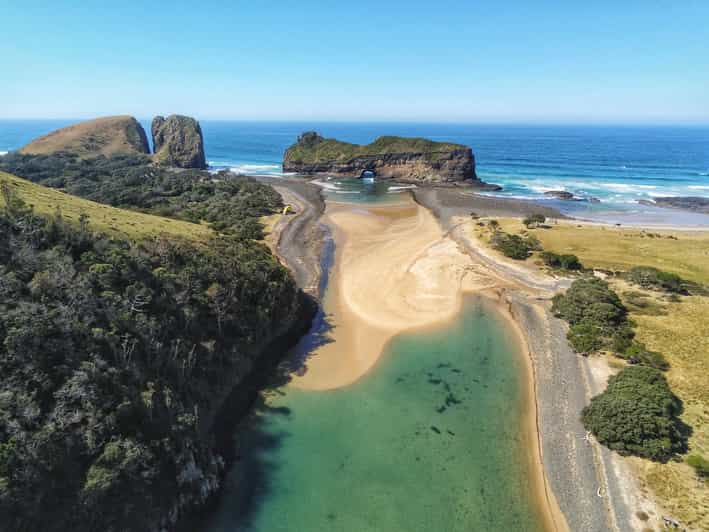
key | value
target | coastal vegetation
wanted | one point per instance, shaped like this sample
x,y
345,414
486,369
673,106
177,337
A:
x,y
597,317
565,261
637,415
516,247
312,148
119,342
669,323
228,203
118,223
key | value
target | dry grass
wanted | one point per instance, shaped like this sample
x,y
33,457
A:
x,y
681,335
110,220
685,253
676,329
107,136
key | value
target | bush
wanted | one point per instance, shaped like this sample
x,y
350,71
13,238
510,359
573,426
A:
x,y
562,262
637,353
514,246
700,465
652,278
598,318
637,415
533,220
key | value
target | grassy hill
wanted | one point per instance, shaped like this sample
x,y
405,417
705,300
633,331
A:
x,y
109,220
107,136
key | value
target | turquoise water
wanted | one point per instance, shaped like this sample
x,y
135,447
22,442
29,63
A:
x,y
354,190
429,440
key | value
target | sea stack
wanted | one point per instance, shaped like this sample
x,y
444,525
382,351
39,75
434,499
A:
x,y
178,142
414,160
107,136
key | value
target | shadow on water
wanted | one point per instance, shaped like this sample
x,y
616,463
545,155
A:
x,y
249,479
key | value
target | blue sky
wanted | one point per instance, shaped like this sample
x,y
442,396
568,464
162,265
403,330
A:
x,y
466,61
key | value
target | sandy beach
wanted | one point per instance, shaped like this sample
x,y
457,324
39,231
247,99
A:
x,y
396,269
408,265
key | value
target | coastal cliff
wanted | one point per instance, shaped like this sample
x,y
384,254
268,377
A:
x,y
413,160
108,136
178,142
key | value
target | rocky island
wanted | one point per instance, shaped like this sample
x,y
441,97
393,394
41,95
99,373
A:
x,y
413,160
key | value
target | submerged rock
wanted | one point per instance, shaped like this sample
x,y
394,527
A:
x,y
414,160
108,136
685,203
178,142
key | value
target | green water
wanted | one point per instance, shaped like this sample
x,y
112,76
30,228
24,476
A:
x,y
429,440
353,190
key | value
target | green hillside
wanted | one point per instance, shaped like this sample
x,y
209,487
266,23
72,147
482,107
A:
x,y
116,222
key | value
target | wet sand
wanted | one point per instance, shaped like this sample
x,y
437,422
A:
x,y
394,270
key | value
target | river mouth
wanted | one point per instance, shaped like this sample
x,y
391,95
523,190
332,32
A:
x,y
410,405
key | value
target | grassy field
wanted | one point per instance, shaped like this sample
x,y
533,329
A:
x,y
685,253
110,220
678,329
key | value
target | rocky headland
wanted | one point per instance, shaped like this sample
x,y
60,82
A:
x,y
108,136
412,160
178,142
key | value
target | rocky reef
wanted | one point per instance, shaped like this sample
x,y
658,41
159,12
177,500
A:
x,y
108,136
413,160
178,142
685,203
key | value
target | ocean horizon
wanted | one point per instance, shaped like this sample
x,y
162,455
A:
x,y
618,165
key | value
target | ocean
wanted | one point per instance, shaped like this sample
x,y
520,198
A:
x,y
617,165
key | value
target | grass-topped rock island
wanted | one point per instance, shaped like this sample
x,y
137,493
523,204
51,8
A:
x,y
405,159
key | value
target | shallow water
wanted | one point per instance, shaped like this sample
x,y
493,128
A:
x,y
431,439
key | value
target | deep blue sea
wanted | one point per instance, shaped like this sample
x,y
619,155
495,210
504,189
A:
x,y
616,164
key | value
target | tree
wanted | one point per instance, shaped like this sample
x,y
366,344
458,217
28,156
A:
x,y
534,220
637,415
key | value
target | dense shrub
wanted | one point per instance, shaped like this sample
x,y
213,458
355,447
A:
x,y
562,262
638,415
228,202
533,220
514,246
637,353
649,277
700,465
113,357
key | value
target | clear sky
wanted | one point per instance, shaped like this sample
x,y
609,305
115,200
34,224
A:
x,y
464,61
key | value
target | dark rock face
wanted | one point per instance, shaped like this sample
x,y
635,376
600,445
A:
x,y
685,203
178,142
403,159
562,195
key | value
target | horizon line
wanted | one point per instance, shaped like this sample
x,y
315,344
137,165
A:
x,y
522,122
